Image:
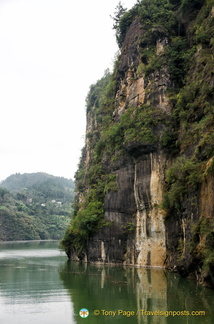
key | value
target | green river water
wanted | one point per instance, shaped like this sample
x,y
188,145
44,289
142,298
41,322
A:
x,y
39,286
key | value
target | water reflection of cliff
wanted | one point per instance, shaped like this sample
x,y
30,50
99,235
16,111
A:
x,y
112,288
99,288
151,294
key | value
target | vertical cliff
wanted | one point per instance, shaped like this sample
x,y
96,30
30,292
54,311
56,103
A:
x,y
144,187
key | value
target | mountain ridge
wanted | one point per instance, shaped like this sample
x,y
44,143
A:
x,y
19,181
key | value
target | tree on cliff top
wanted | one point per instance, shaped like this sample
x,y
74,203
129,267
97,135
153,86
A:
x,y
118,14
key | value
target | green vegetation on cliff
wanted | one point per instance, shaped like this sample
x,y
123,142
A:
x,y
176,40
35,206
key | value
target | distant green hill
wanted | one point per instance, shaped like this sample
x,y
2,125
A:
x,y
18,181
35,206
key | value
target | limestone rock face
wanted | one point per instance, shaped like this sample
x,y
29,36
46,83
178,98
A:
x,y
148,158
150,229
137,231
136,234
207,195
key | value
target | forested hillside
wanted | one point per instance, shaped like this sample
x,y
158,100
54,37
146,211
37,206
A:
x,y
34,206
145,182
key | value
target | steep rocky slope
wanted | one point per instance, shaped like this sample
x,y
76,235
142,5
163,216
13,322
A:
x,y
145,183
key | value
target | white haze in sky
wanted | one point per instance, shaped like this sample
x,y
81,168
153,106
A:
x,y
51,51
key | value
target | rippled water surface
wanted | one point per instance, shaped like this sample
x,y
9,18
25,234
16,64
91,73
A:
x,y
38,285
30,288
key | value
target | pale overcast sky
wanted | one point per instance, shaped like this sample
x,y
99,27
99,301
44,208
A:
x,y
51,51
